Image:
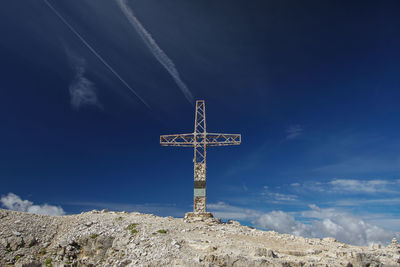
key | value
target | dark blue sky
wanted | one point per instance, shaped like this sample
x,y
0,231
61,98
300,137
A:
x,y
312,86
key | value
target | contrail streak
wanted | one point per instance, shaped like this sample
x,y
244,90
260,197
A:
x,y
95,52
158,53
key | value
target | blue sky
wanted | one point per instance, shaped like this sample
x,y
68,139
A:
x,y
312,86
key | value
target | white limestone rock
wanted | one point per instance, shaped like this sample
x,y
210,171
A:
x,y
134,239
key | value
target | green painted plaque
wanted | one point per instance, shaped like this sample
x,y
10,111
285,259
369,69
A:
x,y
199,192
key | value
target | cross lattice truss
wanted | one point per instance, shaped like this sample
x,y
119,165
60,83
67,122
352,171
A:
x,y
210,139
200,140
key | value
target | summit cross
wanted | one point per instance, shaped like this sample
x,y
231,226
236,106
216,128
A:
x,y
200,140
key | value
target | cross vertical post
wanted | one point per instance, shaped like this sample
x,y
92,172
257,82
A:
x,y
200,140
200,152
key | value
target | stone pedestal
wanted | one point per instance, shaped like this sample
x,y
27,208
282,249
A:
x,y
198,216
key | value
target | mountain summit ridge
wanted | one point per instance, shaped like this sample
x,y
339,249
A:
x,y
103,238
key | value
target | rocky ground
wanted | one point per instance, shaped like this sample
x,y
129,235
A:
x,y
133,239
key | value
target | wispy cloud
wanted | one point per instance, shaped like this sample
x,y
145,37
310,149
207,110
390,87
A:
x,y
387,201
351,186
14,202
226,211
94,52
364,186
361,195
276,197
294,131
81,89
158,53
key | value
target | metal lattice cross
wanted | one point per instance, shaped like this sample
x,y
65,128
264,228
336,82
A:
x,y
200,140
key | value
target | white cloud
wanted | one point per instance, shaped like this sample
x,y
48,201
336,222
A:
x,y
364,202
226,211
387,221
341,225
275,197
364,186
82,91
14,202
278,197
94,52
315,222
351,186
294,131
282,222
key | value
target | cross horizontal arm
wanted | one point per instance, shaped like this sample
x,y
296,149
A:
x,y
185,140
219,139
